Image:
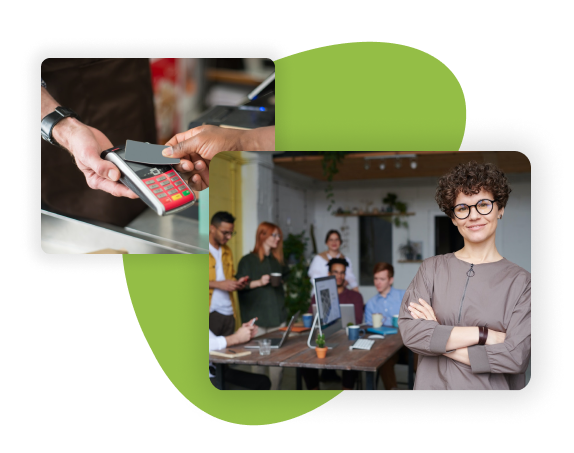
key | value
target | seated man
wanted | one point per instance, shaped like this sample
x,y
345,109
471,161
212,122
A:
x,y
338,268
387,302
240,378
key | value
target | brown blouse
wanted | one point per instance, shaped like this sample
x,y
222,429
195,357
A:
x,y
496,295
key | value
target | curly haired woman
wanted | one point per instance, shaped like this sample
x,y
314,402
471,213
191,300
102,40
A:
x,y
467,314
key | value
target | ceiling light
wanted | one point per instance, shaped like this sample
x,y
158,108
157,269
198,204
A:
x,y
414,164
382,166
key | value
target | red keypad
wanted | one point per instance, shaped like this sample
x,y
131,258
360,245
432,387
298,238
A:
x,y
170,198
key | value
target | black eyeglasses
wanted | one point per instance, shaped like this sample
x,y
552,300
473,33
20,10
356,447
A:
x,y
227,233
484,207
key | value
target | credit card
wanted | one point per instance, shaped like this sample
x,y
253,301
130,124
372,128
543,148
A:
x,y
145,153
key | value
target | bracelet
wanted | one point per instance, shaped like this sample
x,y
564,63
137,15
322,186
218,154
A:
x,y
482,335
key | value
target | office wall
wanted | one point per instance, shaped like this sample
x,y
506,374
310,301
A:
x,y
513,235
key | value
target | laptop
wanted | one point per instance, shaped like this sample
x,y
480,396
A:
x,y
347,314
276,343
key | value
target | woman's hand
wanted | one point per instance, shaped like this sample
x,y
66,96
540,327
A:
x,y
422,311
264,280
495,337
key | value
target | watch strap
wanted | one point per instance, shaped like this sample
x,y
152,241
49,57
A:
x,y
482,335
51,119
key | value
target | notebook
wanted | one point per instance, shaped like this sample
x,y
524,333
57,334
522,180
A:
x,y
383,330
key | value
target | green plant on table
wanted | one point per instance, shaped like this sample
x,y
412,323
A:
x,y
320,341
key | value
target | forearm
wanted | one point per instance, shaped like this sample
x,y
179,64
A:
x,y
48,103
462,337
460,355
260,139
232,340
215,285
255,284
65,128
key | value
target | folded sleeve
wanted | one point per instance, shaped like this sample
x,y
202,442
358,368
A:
x,y
216,343
244,270
317,268
422,336
512,356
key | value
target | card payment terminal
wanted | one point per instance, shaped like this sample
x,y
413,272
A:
x,y
159,186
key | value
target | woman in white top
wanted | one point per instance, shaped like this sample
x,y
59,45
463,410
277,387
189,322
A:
x,y
318,267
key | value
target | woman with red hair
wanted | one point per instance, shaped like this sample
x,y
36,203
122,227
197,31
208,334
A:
x,y
259,298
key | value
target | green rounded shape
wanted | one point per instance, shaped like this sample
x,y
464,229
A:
x,y
348,97
170,295
367,96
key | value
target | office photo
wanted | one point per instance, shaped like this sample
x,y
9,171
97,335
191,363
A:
x,y
127,144
370,270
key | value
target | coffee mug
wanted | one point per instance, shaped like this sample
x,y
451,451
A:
x,y
276,279
354,332
307,319
378,320
396,321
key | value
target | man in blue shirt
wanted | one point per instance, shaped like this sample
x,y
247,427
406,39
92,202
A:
x,y
387,302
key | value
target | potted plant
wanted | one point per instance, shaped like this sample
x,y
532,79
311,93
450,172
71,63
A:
x,y
298,285
320,348
390,201
394,205
408,250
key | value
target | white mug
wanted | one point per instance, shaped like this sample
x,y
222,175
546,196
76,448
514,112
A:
x,y
378,320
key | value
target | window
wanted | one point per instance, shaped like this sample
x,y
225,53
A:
x,y
447,237
376,245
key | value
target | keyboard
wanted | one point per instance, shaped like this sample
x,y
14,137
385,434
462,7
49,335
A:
x,y
363,344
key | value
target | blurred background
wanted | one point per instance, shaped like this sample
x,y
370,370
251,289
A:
x,y
184,88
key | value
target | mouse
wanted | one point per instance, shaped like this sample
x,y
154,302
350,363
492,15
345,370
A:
x,y
377,337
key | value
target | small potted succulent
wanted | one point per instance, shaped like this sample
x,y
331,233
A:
x,y
320,348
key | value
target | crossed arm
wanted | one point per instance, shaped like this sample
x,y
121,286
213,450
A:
x,y
460,337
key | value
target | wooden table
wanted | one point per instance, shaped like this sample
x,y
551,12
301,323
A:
x,y
296,354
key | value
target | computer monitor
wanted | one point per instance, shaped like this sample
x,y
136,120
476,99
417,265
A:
x,y
328,308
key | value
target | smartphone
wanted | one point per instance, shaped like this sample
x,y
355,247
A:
x,y
161,187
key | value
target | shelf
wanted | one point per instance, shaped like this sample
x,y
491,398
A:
x,y
379,214
410,261
233,76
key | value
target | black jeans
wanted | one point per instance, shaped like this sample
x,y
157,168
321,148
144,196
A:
x,y
221,325
249,381
311,377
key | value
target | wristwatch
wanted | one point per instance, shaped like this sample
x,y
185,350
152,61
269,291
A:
x,y
51,119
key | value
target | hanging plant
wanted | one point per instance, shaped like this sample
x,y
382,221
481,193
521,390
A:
x,y
330,164
394,205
